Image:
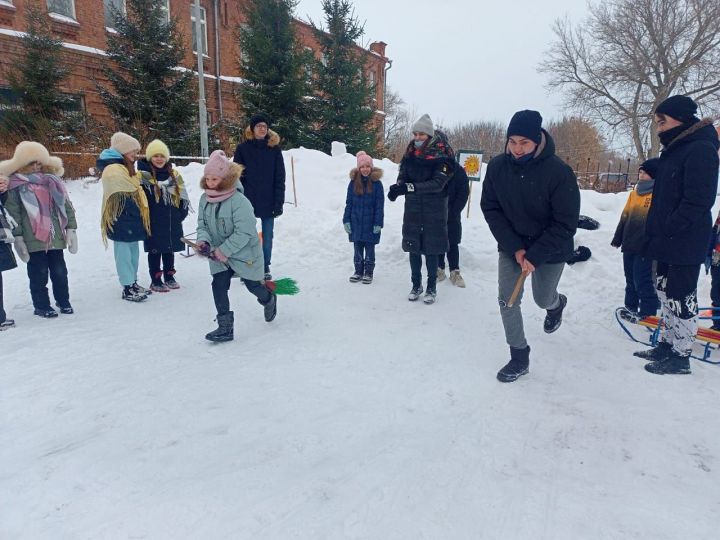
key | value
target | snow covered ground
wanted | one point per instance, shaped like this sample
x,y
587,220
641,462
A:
x,y
355,414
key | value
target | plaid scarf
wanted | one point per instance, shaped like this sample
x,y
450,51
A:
x,y
437,147
42,194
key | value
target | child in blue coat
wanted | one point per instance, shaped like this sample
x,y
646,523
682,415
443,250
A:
x,y
364,215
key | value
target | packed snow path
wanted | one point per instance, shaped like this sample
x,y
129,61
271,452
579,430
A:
x,y
355,414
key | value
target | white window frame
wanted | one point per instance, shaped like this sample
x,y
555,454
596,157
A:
x,y
203,24
7,3
72,16
124,12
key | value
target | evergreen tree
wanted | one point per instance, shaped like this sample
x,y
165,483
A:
x,y
35,81
275,69
343,107
149,98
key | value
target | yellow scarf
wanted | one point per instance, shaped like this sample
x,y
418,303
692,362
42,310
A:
x,y
118,186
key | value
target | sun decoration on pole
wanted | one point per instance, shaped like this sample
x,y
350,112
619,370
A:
x,y
472,165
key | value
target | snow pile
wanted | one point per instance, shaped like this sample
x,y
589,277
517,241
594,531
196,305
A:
x,y
355,414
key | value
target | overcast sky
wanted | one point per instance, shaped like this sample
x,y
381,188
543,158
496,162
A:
x,y
461,60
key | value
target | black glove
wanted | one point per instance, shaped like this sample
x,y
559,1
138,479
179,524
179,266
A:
x,y
396,190
278,211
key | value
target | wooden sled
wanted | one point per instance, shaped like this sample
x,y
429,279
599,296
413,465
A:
x,y
709,339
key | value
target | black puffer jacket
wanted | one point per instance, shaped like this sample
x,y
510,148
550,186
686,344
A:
x,y
532,206
458,193
426,208
166,219
264,176
679,222
7,258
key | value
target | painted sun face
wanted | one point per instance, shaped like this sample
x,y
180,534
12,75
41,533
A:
x,y
472,165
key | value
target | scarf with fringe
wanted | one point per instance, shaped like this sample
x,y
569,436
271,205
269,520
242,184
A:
x,y
118,187
42,194
170,191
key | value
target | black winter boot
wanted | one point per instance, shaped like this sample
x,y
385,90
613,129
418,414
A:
x,y
553,319
517,366
657,354
224,330
270,307
674,364
368,274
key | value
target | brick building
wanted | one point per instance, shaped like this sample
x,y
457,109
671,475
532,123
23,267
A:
x,y
83,27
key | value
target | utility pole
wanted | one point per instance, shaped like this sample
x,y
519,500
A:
x,y
202,108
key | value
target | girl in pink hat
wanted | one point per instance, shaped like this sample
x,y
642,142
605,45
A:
x,y
227,236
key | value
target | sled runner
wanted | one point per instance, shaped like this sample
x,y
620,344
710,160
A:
x,y
710,338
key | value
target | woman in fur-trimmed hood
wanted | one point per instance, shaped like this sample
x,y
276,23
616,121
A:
x,y
45,222
679,224
227,236
263,178
364,215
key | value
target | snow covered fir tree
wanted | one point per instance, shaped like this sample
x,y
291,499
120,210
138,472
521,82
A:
x,y
274,68
148,96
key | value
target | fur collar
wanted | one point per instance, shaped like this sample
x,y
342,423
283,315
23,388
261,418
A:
x,y
272,138
697,126
375,173
229,181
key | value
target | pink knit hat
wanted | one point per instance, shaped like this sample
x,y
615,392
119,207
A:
x,y
217,165
363,159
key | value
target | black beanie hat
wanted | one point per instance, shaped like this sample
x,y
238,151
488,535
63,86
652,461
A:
x,y
527,124
650,166
259,117
680,108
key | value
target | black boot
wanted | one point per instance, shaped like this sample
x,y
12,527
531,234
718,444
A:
x,y
658,353
553,319
224,330
517,366
368,274
673,364
270,307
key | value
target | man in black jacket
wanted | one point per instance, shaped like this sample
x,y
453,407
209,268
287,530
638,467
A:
x,y
531,202
679,224
263,179
458,193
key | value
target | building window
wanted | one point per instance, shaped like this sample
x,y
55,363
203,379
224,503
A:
x,y
66,8
76,103
203,25
112,8
371,78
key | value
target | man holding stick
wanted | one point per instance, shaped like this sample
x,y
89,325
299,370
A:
x,y
531,202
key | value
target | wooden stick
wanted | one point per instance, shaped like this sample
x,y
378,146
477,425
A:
x,y
292,166
518,287
469,200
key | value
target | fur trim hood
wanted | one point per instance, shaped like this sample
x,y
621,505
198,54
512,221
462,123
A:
x,y
28,151
376,173
272,138
230,181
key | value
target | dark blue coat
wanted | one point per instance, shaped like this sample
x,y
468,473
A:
x,y
165,218
129,225
363,212
679,221
264,176
458,193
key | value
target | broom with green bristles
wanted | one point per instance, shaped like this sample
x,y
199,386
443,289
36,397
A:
x,y
281,287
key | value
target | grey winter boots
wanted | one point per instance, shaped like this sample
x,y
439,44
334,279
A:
x,y
517,366
224,331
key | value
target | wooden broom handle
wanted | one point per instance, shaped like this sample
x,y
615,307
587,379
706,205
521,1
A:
x,y
518,287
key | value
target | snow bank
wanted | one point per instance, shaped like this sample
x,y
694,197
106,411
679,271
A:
x,y
355,414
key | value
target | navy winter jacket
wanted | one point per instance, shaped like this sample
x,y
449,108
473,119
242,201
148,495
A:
x,y
679,222
165,218
363,212
264,176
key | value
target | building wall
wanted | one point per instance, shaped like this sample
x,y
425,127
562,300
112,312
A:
x,y
85,39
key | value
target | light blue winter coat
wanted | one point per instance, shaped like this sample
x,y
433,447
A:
x,y
231,226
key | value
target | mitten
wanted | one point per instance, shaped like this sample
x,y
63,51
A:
x,y
72,240
348,228
203,248
21,249
376,229
218,255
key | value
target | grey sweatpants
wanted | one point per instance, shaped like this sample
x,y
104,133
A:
x,y
545,280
